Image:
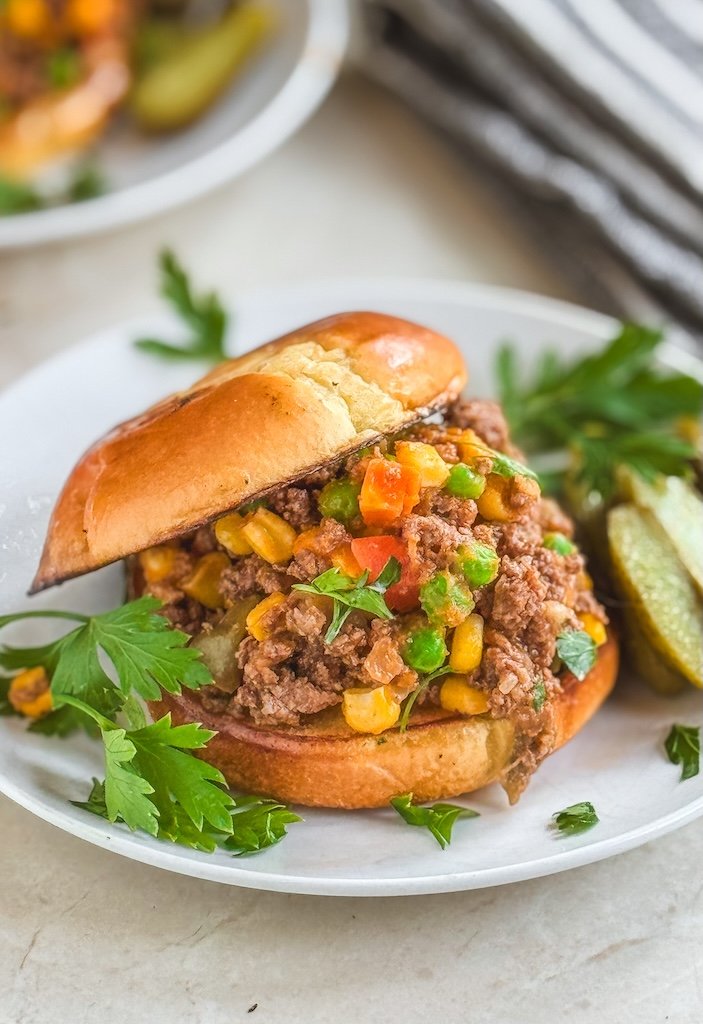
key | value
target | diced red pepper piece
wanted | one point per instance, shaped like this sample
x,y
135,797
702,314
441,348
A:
x,y
389,490
372,553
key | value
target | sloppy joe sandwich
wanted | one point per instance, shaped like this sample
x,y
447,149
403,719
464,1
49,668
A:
x,y
384,598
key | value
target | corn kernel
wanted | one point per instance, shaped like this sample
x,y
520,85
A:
x,y
254,623
370,711
425,460
344,560
467,645
203,584
158,563
493,503
594,627
228,532
30,19
270,536
30,693
471,446
584,580
85,17
456,695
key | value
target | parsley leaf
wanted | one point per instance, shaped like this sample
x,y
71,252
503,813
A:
x,y
6,709
257,824
349,594
439,818
145,652
683,746
87,183
203,314
575,819
578,651
412,697
591,414
151,779
18,197
539,695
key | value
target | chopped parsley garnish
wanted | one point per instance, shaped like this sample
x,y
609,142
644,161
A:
x,y
420,688
578,651
349,594
589,415
539,695
439,819
574,820
683,746
203,314
257,824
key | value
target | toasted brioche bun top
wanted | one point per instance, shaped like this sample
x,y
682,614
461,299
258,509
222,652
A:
x,y
253,423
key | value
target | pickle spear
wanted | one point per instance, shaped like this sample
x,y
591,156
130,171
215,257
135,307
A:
x,y
179,88
677,508
650,577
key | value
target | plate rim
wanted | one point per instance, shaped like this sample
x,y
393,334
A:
x,y
118,839
307,85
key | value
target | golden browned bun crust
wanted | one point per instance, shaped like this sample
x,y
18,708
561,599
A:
x,y
325,764
253,423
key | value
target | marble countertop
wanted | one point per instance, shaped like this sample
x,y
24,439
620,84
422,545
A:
x,y
86,936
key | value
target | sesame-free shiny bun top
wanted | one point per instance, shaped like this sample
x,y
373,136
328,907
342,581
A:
x,y
252,424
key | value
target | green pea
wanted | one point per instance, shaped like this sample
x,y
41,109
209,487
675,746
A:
x,y
478,563
446,600
339,499
425,649
559,543
465,482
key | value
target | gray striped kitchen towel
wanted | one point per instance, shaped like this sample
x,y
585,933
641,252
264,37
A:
x,y
585,115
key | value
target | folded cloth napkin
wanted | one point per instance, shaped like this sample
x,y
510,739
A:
x,y
585,115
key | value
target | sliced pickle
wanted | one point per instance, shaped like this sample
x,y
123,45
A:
x,y
219,645
649,576
678,509
194,71
646,661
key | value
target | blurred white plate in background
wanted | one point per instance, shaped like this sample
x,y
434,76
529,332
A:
x,y
267,103
617,761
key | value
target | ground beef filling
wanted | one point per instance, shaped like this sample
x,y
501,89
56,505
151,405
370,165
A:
x,y
291,672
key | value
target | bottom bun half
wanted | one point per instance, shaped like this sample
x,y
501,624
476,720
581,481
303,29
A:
x,y
325,764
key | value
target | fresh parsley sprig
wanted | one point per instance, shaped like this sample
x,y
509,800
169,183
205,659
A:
x,y
578,651
588,415
203,314
146,654
349,594
153,784
257,824
574,820
683,746
439,819
153,781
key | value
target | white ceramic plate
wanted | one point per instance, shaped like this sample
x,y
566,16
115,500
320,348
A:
x,y
264,106
617,762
